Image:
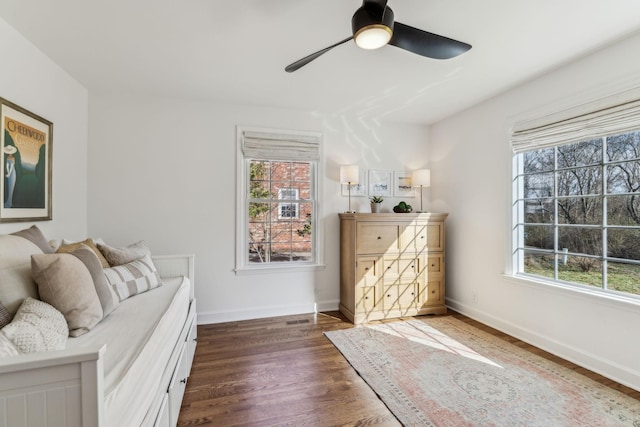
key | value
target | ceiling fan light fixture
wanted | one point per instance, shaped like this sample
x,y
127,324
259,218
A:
x,y
372,27
373,36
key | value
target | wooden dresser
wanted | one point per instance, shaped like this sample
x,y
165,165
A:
x,y
391,265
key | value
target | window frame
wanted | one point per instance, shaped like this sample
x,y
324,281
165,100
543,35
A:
x,y
242,264
518,205
292,201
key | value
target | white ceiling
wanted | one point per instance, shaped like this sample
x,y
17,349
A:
x,y
236,50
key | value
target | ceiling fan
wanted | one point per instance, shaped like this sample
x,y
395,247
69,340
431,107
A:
x,y
373,27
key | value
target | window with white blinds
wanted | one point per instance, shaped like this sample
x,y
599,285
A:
x,y
576,205
278,199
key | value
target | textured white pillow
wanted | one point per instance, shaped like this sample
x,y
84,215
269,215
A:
x,y
7,349
37,326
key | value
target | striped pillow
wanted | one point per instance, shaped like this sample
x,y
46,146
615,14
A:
x,y
133,278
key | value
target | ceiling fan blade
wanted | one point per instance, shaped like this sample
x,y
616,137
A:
x,y
304,61
426,44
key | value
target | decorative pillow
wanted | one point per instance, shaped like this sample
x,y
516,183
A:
x,y
5,316
70,247
34,235
65,283
133,278
16,282
120,256
106,294
7,349
37,326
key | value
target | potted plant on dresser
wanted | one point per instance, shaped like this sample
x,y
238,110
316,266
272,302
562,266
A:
x,y
376,202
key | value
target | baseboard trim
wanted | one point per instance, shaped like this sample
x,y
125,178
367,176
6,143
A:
x,y
327,306
613,371
209,317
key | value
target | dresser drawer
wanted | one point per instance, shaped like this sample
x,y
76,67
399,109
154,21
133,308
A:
x,y
429,236
373,238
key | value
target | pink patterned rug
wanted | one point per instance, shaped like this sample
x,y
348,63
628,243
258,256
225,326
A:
x,y
443,372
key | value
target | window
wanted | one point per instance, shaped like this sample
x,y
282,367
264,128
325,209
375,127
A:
x,y
288,210
577,205
278,187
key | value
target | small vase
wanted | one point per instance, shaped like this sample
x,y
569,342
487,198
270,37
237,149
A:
x,y
375,207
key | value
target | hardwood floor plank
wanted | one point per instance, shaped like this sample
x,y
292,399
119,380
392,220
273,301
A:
x,y
283,371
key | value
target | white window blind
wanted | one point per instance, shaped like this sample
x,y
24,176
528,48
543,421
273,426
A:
x,y
598,123
261,145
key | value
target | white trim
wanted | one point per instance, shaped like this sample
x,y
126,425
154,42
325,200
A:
x,y
220,316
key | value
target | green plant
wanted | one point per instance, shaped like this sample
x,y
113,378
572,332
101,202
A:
x,y
376,199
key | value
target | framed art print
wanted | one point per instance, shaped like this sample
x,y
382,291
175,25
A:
x,y
26,141
402,184
379,183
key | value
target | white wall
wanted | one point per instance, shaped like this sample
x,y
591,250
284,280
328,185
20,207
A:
x,y
31,80
164,171
471,170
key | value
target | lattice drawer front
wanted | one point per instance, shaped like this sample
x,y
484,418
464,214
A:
x,y
367,271
432,293
401,270
375,238
435,264
429,237
400,296
365,298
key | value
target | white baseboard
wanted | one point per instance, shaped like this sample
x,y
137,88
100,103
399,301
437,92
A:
x,y
253,313
327,306
621,374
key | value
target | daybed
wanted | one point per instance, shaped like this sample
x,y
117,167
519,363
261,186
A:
x,y
130,368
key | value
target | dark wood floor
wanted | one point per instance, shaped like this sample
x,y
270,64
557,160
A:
x,y
282,371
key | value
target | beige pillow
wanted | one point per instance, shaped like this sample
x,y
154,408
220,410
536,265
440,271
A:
x,y
120,256
37,326
133,278
109,300
33,234
68,248
65,283
16,282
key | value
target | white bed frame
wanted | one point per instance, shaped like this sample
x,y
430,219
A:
x,y
65,388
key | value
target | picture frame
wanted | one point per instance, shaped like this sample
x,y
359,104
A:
x,y
26,147
359,189
402,184
379,183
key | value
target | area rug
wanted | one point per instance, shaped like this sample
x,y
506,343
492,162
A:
x,y
443,372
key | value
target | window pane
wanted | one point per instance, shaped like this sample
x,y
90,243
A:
x,y
623,243
580,210
538,236
300,172
538,185
623,147
623,277
539,211
623,210
580,240
623,177
539,264
580,154
538,161
580,181
581,270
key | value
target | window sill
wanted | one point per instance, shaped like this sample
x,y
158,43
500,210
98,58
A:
x,y
630,302
262,269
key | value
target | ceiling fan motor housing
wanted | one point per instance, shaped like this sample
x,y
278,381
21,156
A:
x,y
366,19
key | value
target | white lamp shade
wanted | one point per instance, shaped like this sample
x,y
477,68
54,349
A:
x,y
349,174
421,178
